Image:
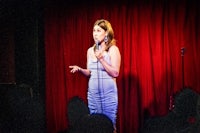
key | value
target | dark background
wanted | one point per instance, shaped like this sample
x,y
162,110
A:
x,y
22,67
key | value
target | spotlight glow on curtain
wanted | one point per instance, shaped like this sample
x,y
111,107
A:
x,y
150,37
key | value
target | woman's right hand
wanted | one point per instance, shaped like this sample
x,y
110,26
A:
x,y
74,68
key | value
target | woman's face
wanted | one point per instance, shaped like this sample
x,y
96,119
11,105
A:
x,y
98,33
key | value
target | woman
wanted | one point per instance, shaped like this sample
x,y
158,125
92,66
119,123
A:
x,y
103,66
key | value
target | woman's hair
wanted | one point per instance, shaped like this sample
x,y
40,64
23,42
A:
x,y
104,24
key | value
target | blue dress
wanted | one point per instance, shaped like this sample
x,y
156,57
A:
x,y
102,90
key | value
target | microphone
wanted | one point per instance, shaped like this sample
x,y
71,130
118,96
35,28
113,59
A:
x,y
97,44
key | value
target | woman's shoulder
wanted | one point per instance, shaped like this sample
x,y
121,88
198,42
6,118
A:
x,y
113,47
90,49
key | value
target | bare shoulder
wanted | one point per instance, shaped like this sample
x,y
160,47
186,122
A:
x,y
90,50
114,48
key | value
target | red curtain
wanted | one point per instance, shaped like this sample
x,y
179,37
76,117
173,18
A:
x,y
150,36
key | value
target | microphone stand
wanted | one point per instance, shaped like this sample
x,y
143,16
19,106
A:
x,y
98,78
182,55
171,104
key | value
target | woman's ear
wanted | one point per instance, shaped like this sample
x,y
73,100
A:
x,y
106,33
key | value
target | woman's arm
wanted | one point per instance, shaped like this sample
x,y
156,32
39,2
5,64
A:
x,y
75,68
113,68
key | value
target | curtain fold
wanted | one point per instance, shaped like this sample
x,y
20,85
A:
x,y
150,36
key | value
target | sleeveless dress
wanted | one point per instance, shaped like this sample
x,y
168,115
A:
x,y
102,90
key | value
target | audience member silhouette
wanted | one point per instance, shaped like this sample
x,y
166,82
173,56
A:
x,y
81,121
94,123
76,109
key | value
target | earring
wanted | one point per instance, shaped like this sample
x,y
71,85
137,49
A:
x,y
106,39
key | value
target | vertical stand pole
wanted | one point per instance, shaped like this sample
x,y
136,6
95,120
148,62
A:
x,y
182,63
